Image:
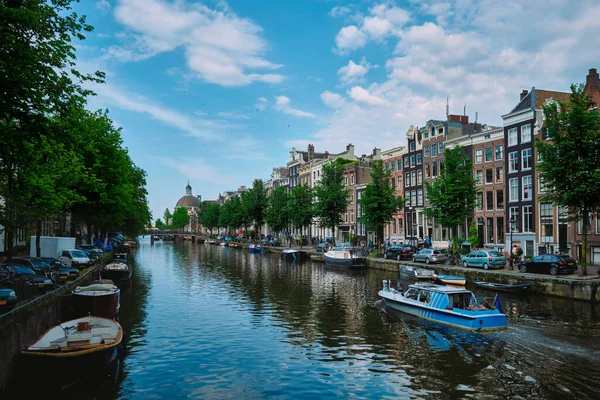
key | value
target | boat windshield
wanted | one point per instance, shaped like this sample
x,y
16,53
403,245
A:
x,y
463,301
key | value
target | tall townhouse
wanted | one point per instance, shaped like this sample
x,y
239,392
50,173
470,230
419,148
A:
x,y
434,136
521,188
392,161
413,187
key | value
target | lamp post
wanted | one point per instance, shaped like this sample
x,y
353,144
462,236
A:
x,y
511,225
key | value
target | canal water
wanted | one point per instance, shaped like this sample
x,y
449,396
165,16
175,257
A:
x,y
210,322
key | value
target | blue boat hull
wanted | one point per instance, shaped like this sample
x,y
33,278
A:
x,y
474,320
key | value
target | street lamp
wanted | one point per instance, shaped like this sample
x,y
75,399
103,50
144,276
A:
x,y
512,228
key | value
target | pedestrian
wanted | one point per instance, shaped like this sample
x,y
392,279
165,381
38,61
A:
x,y
428,242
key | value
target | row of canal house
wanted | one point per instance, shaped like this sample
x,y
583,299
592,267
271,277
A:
x,y
509,208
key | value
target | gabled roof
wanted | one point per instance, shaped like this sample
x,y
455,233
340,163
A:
x,y
536,97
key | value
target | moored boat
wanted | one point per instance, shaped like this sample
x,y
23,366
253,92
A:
x,y
316,257
451,279
117,271
76,346
99,299
344,257
415,272
448,305
254,248
503,287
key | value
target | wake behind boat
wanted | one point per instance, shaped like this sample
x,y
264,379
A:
x,y
344,257
447,305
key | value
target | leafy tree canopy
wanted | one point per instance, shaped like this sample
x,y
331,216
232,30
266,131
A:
x,y
277,214
180,218
332,196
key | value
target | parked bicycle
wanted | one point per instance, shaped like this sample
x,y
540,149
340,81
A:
x,y
454,259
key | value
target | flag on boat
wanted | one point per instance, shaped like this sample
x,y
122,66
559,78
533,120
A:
x,y
497,304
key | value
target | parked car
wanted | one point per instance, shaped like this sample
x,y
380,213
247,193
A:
x,y
323,247
74,258
344,245
91,247
26,274
41,267
8,299
549,264
400,252
484,258
430,256
71,271
23,285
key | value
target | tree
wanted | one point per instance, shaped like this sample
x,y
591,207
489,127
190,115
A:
x,y
210,218
180,218
453,195
570,166
256,203
159,224
168,217
378,202
300,207
473,238
332,197
277,214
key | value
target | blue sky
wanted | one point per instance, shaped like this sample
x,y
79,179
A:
x,y
218,92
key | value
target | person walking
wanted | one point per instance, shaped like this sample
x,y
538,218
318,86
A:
x,y
428,242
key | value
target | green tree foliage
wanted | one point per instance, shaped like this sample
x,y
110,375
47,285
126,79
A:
x,y
255,203
230,214
452,196
300,207
180,218
210,218
277,214
473,238
378,202
168,217
331,196
571,159
159,224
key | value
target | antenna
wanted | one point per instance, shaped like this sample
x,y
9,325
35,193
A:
x,y
447,108
465,109
476,117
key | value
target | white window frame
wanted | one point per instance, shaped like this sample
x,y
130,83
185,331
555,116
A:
x,y
419,177
525,186
526,133
426,150
501,168
486,154
527,210
478,156
496,152
479,177
513,189
513,137
523,157
513,155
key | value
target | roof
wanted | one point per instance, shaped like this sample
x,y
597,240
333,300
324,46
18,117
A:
x,y
188,200
536,97
438,288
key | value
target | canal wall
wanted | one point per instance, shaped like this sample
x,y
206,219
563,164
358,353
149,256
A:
x,y
21,326
560,286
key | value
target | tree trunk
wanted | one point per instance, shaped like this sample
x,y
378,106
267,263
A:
x,y
301,237
586,216
38,236
333,235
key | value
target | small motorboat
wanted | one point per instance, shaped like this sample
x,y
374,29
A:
x,y
450,279
415,272
99,299
117,271
316,257
210,241
120,257
445,304
503,287
82,344
254,248
344,257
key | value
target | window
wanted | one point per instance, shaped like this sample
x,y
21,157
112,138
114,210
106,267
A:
x,y
478,177
488,154
513,215
413,197
500,229
399,182
407,180
547,222
479,201
478,156
498,150
413,177
351,215
526,155
432,132
426,134
412,161
489,175
387,167
499,174
512,137
499,199
352,179
441,165
412,146
392,166
580,226
426,151
399,165
351,198
346,217
419,177
527,189
513,187
489,230
526,133
513,161
528,219
434,150
489,200
419,159
441,147
434,168
406,161
427,170
346,180
419,197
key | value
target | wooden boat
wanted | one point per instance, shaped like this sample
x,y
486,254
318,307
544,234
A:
x,y
344,257
415,272
120,257
451,279
82,344
448,305
503,287
99,299
254,248
117,271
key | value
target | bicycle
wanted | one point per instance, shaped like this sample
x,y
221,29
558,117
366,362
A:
x,y
453,259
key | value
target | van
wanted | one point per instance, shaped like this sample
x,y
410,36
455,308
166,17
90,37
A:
x,y
74,258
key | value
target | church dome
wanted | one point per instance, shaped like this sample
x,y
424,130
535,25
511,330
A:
x,y
188,199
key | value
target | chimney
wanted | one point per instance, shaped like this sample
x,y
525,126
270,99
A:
x,y
376,153
458,118
592,77
311,152
326,154
523,94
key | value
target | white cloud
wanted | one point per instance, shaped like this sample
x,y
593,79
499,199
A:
x,y
353,72
339,11
261,104
233,115
103,5
359,94
282,103
332,100
219,46
383,21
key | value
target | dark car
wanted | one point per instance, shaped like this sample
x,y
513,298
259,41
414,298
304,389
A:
x,y
400,252
41,267
90,247
27,275
8,299
323,247
550,264
72,272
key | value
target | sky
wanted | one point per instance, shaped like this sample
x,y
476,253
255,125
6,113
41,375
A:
x,y
217,93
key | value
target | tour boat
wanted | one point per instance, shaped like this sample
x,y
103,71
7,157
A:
x,y
451,279
344,257
415,272
503,287
448,305
254,248
100,299
117,271
82,344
